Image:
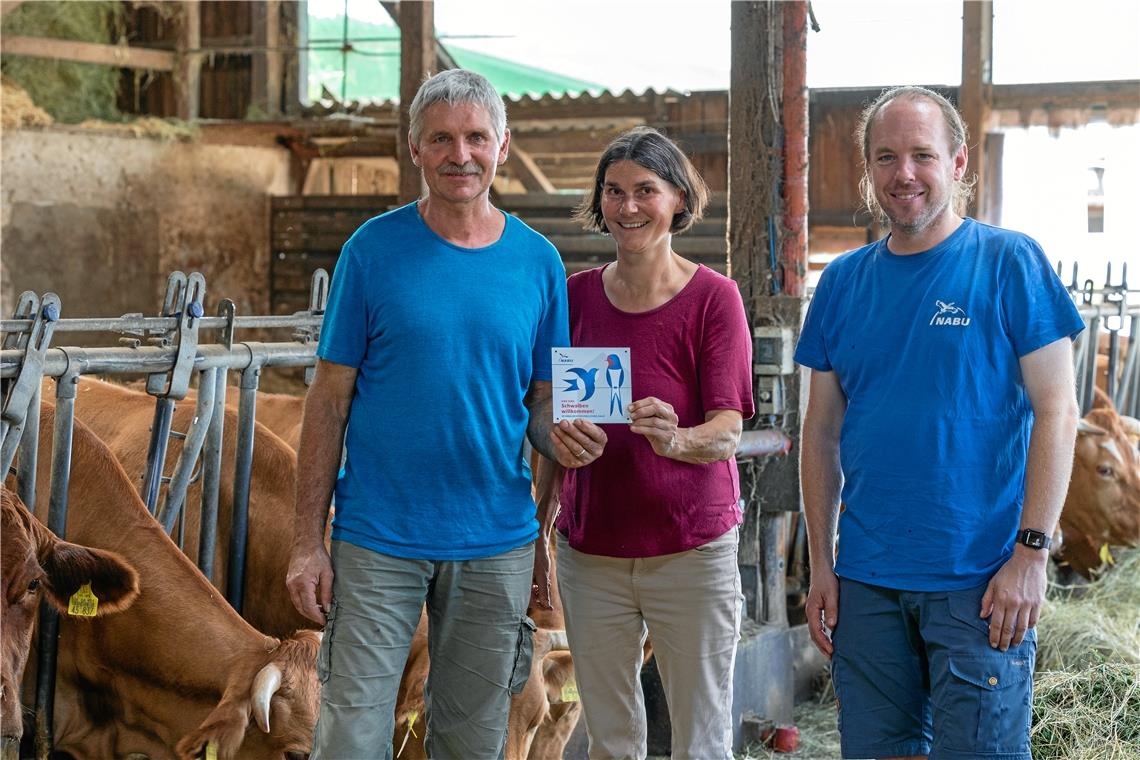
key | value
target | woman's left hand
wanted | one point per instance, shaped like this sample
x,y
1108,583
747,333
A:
x,y
656,420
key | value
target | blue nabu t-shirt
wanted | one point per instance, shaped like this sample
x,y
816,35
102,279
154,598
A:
x,y
934,442
446,341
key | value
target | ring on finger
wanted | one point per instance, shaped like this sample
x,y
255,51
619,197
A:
x,y
580,453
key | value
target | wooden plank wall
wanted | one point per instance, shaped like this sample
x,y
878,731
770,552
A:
x,y
307,232
225,78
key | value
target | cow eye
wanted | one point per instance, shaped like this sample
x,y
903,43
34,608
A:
x,y
1104,470
33,585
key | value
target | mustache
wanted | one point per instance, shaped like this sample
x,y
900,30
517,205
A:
x,y
456,169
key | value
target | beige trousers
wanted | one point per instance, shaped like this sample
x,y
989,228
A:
x,y
689,605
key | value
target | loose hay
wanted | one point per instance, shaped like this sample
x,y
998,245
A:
x,y
1089,714
17,109
1092,624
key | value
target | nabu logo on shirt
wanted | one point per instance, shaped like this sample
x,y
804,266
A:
x,y
949,315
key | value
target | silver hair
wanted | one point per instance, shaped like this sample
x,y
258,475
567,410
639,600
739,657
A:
x,y
955,132
455,86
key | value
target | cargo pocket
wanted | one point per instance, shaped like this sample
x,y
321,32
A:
x,y
324,654
991,692
524,651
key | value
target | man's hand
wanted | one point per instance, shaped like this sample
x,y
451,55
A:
x,y
1013,598
822,609
577,443
310,581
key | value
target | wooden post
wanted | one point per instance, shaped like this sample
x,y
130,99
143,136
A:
x,y
267,72
975,96
189,61
417,61
758,260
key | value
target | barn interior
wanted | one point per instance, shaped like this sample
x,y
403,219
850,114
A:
x,y
144,138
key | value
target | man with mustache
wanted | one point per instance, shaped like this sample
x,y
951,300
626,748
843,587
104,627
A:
x,y
434,363
942,414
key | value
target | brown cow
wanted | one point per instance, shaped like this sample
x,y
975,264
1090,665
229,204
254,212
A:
x,y
122,418
1102,506
528,708
37,564
179,670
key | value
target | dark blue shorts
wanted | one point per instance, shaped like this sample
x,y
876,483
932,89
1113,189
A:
x,y
914,674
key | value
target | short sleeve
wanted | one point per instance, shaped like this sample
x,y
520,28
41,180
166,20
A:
x,y
1036,310
726,354
811,349
344,333
554,327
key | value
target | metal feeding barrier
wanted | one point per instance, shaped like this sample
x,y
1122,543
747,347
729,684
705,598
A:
x,y
1111,312
169,350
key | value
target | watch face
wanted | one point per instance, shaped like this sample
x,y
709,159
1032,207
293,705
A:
x,y
1034,539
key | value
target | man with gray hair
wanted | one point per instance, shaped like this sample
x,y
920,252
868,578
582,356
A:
x,y
434,365
938,440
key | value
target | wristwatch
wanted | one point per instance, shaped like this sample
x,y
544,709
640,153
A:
x,y
1034,539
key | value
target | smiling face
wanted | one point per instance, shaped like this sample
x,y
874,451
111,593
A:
x,y
458,151
638,207
913,170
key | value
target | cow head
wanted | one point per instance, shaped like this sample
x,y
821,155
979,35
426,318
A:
x,y
37,564
281,696
1102,507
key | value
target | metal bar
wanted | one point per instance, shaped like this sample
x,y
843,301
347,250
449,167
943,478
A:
x,y
138,324
243,470
156,451
191,448
762,443
151,359
57,523
1128,396
1088,376
26,466
211,479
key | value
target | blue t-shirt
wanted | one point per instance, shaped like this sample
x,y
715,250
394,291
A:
x,y
446,341
934,442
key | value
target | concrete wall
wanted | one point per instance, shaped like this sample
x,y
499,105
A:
x,y
102,219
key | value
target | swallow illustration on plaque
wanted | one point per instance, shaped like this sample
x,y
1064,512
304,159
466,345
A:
x,y
615,379
586,376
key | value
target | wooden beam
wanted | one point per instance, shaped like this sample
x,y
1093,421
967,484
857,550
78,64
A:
x,y
122,56
417,58
188,76
443,58
267,72
528,172
975,96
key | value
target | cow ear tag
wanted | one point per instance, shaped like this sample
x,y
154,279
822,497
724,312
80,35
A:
x,y
83,603
1106,557
211,751
570,692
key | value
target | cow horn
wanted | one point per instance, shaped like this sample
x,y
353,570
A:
x,y
265,685
558,641
1087,428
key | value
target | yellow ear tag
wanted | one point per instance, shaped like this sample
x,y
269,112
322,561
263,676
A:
x,y
1106,557
211,751
412,722
83,603
570,692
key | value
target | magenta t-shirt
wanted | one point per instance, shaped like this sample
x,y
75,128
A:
x,y
694,352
